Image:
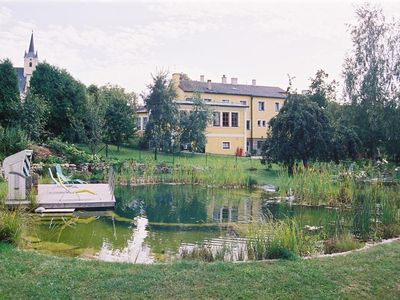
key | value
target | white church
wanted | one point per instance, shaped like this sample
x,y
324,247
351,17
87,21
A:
x,y
30,62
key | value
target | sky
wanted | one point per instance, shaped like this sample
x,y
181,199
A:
x,y
125,42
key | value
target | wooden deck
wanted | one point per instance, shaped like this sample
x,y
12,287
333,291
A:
x,y
51,196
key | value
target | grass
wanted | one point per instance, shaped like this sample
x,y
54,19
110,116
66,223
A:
x,y
224,168
371,274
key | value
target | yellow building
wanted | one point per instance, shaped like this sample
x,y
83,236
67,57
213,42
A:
x,y
240,112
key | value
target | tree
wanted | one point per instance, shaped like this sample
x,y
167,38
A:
x,y
35,114
95,120
193,125
162,127
372,75
320,91
10,103
119,115
66,99
299,132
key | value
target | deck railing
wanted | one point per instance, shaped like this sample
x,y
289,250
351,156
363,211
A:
x,y
111,180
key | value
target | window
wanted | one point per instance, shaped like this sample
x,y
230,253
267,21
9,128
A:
x,y
264,123
189,99
248,125
259,123
216,119
225,101
207,100
225,119
259,144
144,122
234,119
139,123
226,145
261,106
276,106
30,64
243,102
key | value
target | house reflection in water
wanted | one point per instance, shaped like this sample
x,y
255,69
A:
x,y
242,211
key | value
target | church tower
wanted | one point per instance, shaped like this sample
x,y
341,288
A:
x,y
30,62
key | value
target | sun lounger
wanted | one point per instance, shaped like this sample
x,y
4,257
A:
x,y
66,179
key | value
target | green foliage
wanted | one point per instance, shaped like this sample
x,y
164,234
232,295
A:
x,y
66,100
279,239
342,244
11,224
119,115
193,124
10,104
95,120
35,113
72,154
371,84
12,140
162,127
299,132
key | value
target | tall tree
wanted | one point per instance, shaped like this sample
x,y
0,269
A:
x,y
35,114
299,132
95,120
10,104
193,124
372,76
321,91
66,98
119,115
162,127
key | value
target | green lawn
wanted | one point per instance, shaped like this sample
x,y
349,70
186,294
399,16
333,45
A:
x,y
373,274
250,166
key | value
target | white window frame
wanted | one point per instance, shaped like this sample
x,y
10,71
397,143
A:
x,y
144,123
226,142
264,123
263,105
248,125
259,123
243,102
277,106
230,119
220,119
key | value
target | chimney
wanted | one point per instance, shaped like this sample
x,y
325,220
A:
x,y
253,82
234,80
201,78
223,79
209,84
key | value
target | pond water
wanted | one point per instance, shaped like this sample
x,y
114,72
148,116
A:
x,y
154,223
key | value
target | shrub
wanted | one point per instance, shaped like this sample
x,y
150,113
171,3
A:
x,y
341,244
11,223
12,140
70,152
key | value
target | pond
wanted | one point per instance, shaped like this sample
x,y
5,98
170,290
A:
x,y
154,223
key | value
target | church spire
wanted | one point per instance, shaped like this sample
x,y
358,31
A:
x,y
31,45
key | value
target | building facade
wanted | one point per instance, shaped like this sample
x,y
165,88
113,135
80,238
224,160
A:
x,y
240,112
24,73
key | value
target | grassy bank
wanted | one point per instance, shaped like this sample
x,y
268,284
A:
x,y
373,274
207,169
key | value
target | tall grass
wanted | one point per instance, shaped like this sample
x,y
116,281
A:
x,y
279,239
322,184
220,173
11,225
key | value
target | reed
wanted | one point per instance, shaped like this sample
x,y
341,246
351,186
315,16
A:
x,y
11,226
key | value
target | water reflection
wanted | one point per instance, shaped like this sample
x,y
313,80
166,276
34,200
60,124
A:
x,y
154,223
136,250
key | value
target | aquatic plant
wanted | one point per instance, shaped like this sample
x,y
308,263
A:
x,y
341,244
11,225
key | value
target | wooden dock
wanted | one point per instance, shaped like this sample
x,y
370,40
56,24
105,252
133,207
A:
x,y
51,196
